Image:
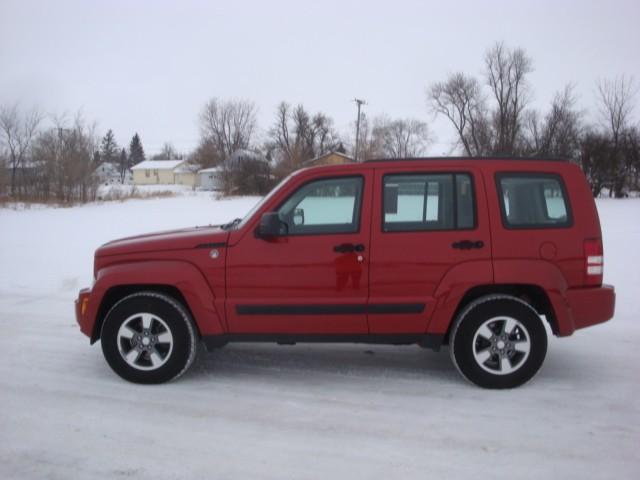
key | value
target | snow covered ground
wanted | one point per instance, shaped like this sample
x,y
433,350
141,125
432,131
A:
x,y
308,411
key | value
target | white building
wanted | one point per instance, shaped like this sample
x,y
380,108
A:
x,y
209,178
109,173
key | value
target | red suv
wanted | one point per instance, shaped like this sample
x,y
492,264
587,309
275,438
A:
x,y
484,255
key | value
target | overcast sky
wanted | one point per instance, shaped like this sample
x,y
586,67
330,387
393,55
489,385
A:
x,y
149,66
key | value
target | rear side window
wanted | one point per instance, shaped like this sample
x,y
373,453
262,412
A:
x,y
415,202
533,201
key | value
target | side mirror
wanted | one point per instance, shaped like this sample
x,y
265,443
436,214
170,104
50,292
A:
x,y
391,199
271,226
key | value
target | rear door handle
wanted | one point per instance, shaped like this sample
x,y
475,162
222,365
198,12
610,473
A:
x,y
467,244
348,248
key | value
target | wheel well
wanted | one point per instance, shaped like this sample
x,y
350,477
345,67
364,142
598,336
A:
x,y
114,294
532,294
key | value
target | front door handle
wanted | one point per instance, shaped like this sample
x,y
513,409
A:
x,y
467,244
349,248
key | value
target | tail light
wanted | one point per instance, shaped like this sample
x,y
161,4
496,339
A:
x,y
593,261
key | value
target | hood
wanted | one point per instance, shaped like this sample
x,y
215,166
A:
x,y
187,238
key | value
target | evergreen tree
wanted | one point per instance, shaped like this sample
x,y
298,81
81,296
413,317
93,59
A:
x,y
123,165
109,148
136,152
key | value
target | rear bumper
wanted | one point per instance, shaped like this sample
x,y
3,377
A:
x,y
587,307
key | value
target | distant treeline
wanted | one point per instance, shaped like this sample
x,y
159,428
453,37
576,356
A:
x,y
491,116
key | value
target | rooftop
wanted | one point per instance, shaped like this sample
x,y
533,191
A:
x,y
210,170
157,165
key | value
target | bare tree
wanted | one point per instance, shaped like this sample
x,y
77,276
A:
x,y
324,138
484,130
66,168
17,130
402,138
297,137
3,173
500,123
227,126
558,133
459,98
281,141
593,157
168,152
205,155
506,76
384,137
616,106
630,146
287,142
370,144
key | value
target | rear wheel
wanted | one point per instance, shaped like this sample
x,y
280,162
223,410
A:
x,y
498,341
148,337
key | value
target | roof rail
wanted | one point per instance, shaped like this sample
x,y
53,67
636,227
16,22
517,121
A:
x,y
492,157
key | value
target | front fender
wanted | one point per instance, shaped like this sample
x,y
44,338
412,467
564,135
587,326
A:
x,y
181,275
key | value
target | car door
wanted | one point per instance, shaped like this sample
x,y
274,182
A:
x,y
313,278
426,224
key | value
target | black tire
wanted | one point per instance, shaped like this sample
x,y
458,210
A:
x,y
171,342
488,355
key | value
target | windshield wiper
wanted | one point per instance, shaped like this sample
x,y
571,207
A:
x,y
231,224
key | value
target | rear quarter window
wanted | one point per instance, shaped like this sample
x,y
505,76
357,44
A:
x,y
533,200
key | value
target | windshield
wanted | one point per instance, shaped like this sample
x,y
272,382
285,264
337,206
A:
x,y
264,200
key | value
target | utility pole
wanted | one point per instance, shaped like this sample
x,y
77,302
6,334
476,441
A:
x,y
359,103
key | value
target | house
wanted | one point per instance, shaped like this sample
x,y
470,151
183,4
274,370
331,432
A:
x,y
29,174
209,178
331,158
109,173
186,174
153,172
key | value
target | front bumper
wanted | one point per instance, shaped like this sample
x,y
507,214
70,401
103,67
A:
x,y
82,311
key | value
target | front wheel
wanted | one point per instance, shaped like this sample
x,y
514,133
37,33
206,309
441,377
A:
x,y
498,341
148,337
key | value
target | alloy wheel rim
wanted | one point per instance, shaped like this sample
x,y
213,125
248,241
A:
x,y
501,345
145,341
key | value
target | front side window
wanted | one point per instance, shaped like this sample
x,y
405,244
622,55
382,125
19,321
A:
x,y
324,206
415,202
533,201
